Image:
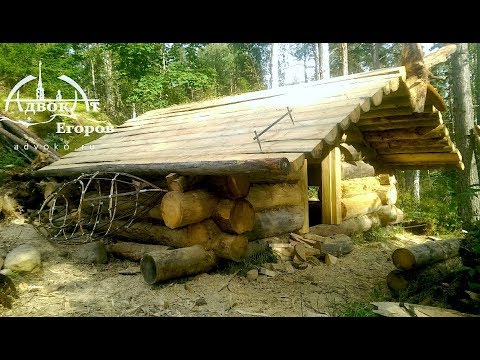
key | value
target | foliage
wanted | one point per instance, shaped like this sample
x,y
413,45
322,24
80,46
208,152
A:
x,y
439,200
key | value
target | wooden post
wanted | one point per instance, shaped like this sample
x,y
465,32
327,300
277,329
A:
x,y
331,188
304,188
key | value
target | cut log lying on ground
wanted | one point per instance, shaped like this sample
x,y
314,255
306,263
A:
x,y
233,247
360,204
231,186
264,197
357,186
359,170
180,209
425,254
170,264
359,224
133,251
275,222
234,216
414,281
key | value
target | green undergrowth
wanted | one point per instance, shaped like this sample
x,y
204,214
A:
x,y
378,234
362,308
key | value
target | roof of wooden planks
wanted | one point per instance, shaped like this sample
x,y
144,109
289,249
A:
x,y
217,136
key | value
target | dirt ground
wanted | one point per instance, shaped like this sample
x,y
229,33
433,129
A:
x,y
65,288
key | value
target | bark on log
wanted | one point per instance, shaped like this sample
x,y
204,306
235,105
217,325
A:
x,y
148,233
181,183
180,209
231,186
420,255
133,251
275,222
233,247
264,197
161,266
386,179
234,216
359,186
205,233
360,204
359,170
388,194
413,281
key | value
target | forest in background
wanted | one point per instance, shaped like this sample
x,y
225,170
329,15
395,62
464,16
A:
x,y
137,77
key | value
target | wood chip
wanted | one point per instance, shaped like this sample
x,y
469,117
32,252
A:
x,y
133,270
302,240
330,259
267,272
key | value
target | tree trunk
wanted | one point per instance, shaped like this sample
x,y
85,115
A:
x,y
180,209
161,266
109,83
274,65
305,75
376,55
94,83
359,170
424,254
264,197
324,57
360,204
344,58
464,123
133,251
234,216
275,222
316,56
413,281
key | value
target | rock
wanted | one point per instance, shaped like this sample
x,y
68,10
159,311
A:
x,y
200,301
252,275
330,259
23,258
301,266
92,252
337,245
267,272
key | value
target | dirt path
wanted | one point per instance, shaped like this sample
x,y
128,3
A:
x,y
65,288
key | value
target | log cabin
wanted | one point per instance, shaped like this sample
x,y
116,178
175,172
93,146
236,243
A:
x,y
240,166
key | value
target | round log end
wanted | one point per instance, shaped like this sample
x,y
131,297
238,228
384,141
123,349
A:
x,y
238,186
171,211
148,268
403,259
243,217
396,281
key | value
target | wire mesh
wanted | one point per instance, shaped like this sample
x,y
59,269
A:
x,y
95,206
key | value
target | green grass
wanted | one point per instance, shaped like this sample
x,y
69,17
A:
x,y
357,309
378,234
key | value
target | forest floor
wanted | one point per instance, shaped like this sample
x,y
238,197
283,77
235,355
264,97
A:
x,y
63,287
